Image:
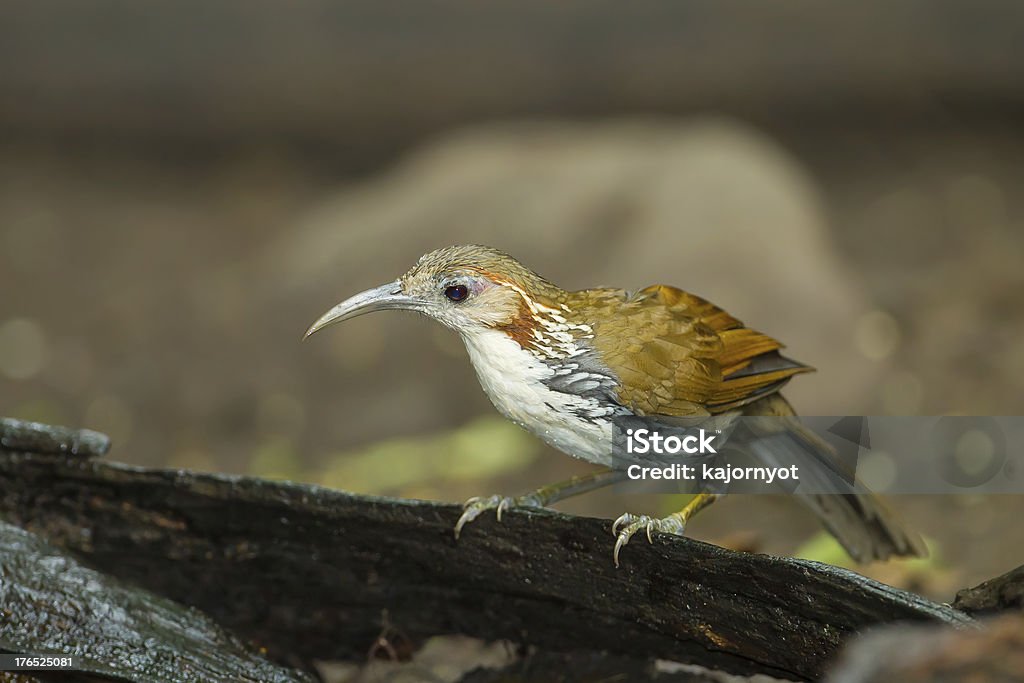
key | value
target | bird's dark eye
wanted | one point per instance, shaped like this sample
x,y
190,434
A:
x,y
456,292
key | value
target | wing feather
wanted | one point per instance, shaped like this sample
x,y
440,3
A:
x,y
677,354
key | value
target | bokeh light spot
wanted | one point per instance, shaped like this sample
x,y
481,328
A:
x,y
877,335
974,451
877,470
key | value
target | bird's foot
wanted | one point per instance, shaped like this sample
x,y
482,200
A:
x,y
630,523
477,505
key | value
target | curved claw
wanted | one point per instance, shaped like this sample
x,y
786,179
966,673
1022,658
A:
x,y
468,515
622,540
472,509
624,518
633,524
477,505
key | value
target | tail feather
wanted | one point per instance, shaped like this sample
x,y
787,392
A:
x,y
861,522
865,526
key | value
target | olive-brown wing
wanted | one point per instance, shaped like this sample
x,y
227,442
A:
x,y
679,355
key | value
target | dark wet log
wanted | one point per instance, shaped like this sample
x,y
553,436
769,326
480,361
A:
x,y
52,604
306,572
1000,593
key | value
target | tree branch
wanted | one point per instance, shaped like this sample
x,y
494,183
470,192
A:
x,y
1001,593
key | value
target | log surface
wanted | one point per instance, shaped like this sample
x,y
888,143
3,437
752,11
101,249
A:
x,y
52,604
307,572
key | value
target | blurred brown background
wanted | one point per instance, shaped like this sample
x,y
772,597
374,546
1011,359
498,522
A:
x,y
184,187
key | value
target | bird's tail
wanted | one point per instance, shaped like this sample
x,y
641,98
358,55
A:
x,y
865,526
859,519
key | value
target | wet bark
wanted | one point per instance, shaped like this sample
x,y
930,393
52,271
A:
x,y
50,603
307,572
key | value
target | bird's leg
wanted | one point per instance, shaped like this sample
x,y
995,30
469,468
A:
x,y
673,524
542,497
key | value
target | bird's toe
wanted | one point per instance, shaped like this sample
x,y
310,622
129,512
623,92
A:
x,y
630,524
477,505
474,507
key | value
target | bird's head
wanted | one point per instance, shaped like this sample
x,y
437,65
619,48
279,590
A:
x,y
468,288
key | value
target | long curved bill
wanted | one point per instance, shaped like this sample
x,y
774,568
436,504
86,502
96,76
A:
x,y
381,298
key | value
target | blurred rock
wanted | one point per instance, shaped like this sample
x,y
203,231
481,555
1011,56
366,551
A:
x,y
911,654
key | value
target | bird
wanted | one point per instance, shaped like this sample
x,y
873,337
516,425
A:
x,y
575,367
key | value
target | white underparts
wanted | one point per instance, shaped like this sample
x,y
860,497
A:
x,y
516,380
